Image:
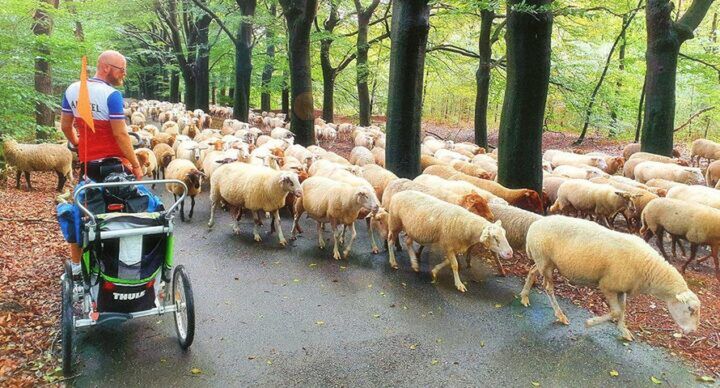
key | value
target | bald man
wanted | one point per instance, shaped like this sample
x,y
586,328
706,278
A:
x,y
109,145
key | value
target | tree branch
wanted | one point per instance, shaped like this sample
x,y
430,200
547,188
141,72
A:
x,y
454,49
710,65
217,20
696,114
692,18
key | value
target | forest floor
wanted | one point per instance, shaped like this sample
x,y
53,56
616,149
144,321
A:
x,y
32,250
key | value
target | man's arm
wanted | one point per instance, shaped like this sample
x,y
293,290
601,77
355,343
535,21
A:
x,y
66,124
125,143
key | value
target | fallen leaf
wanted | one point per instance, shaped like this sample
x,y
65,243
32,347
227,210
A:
x,y
535,383
269,362
376,315
434,362
403,284
677,335
251,357
319,323
313,265
705,379
655,380
482,344
296,280
498,305
614,373
369,285
413,346
196,371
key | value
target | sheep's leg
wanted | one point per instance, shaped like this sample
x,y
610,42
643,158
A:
x,y
61,181
612,299
27,180
17,179
529,281
182,208
299,210
411,252
456,274
693,252
276,222
321,236
550,289
373,244
437,269
660,237
211,221
256,232
622,298
236,227
336,237
391,250
675,243
342,235
500,267
192,206
353,234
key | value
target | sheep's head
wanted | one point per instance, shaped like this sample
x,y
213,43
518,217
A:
x,y
380,222
615,164
366,198
685,310
529,200
475,203
629,200
290,183
598,162
694,176
194,178
493,238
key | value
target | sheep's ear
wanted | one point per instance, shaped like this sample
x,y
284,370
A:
x,y
498,223
686,296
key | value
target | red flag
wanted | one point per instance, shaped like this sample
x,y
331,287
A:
x,y
83,108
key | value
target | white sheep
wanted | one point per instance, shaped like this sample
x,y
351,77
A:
x,y
588,198
579,172
448,156
703,148
431,221
338,203
39,157
618,263
184,170
281,133
696,194
361,156
571,159
648,170
256,188
148,162
191,150
137,118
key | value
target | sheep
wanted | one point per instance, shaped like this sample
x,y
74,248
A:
x,y
696,194
586,172
378,178
551,185
613,163
471,169
602,200
469,147
380,142
523,198
642,198
448,156
190,150
637,158
433,145
442,171
185,171
344,130
696,223
618,263
281,133
486,162
379,155
148,162
325,134
571,159
516,223
333,157
361,156
428,160
216,158
164,154
137,118
317,150
647,170
39,157
712,174
363,139
339,203
171,128
703,148
162,138
428,220
256,188
458,187
662,184
633,148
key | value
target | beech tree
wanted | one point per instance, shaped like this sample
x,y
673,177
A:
x,y
42,27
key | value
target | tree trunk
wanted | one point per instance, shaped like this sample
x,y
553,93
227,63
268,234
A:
x,y
409,33
269,66
641,106
328,93
528,75
664,38
285,98
299,15
482,77
189,91
243,61
42,25
362,68
202,64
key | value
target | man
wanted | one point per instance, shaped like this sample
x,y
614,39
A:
x,y
110,138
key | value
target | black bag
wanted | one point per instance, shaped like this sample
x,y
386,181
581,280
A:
x,y
129,197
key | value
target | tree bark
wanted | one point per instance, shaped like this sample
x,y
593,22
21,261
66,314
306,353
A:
x,y
664,38
409,33
243,61
285,97
202,64
299,15
362,68
528,74
269,66
328,71
42,26
641,106
482,77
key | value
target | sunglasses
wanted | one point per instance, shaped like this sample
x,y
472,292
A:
x,y
124,69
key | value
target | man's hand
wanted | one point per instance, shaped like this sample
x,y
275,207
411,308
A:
x,y
137,171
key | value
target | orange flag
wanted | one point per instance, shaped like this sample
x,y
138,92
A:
x,y
83,108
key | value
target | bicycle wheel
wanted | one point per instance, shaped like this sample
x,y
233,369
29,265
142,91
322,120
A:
x,y
66,320
185,305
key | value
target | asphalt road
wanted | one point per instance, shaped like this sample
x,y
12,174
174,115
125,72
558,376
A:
x,y
273,316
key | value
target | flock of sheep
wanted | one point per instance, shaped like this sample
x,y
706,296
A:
x,y
454,205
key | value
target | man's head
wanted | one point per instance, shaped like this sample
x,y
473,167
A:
x,y
111,67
